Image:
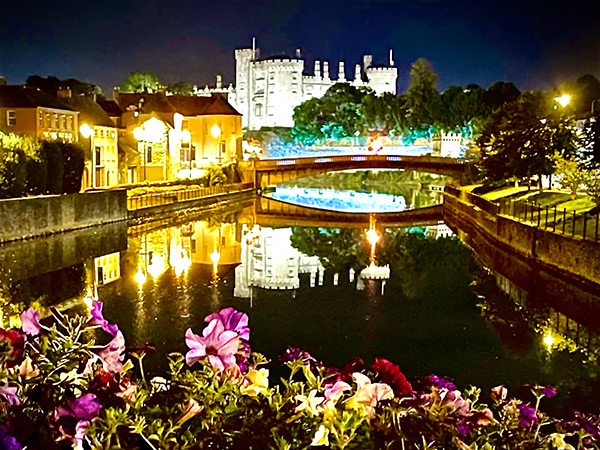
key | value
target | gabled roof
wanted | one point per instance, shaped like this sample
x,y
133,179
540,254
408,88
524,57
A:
x,y
89,111
186,105
14,96
111,108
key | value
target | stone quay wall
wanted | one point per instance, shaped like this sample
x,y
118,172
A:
x,y
571,256
30,217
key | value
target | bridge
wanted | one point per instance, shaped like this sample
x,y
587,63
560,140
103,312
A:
x,y
267,172
268,212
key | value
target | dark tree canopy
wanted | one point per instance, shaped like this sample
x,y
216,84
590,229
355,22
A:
x,y
51,85
142,82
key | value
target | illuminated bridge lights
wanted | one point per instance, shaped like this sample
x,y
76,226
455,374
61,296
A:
x,y
394,158
286,162
322,160
358,158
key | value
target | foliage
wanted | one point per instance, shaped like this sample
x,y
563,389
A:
x,y
593,185
181,88
61,389
141,82
213,176
422,93
29,166
571,175
520,138
51,85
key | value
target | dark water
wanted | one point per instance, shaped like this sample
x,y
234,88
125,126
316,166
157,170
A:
x,y
438,312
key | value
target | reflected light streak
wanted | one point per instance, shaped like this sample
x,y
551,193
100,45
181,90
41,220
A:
x,y
157,267
179,259
373,237
140,277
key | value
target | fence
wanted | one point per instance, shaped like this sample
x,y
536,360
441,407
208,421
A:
x,y
583,225
150,199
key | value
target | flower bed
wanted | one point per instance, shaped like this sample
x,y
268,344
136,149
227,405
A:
x,y
60,390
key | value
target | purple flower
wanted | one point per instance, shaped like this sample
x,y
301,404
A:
x,y
10,395
98,320
74,417
8,442
243,355
576,421
113,354
463,428
216,343
548,391
30,321
232,320
527,416
294,353
439,382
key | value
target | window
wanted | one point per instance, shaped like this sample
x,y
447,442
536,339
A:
x,y
98,156
11,118
47,120
70,122
41,119
55,120
149,153
258,110
63,122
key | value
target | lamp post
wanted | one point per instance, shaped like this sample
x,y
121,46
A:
x,y
88,133
216,133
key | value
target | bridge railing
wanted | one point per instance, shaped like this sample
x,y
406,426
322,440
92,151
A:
x,y
316,160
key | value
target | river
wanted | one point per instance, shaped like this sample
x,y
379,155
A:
x,y
425,303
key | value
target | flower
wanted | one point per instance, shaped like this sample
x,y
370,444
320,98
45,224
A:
x,y
368,394
259,382
30,322
216,343
390,374
74,417
499,393
98,320
321,436
232,320
10,395
309,403
14,345
113,354
558,442
527,416
8,442
439,382
336,390
192,409
548,391
294,353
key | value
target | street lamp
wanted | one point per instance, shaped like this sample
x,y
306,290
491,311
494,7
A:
x,y
88,133
563,100
152,131
216,133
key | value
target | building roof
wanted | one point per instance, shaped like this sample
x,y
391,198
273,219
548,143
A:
x,y
186,105
111,108
15,96
90,111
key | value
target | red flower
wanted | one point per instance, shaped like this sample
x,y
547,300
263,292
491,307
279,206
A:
x,y
12,344
390,374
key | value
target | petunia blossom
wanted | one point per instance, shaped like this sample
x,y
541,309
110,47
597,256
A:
x,y
98,320
10,395
390,374
16,346
257,382
309,403
321,436
368,394
336,390
30,322
7,441
216,344
232,320
113,354
74,417
527,416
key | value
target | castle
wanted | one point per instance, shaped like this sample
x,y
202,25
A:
x,y
268,89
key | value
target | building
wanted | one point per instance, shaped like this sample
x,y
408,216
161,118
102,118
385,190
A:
x,y
175,135
98,135
31,111
268,89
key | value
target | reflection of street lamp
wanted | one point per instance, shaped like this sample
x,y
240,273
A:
x,y
216,133
88,133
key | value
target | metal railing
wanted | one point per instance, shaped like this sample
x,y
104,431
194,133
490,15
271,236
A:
x,y
571,223
150,199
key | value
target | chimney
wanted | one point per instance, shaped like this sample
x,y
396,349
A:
x,y
357,76
367,61
317,69
219,82
115,94
298,54
326,70
64,92
341,72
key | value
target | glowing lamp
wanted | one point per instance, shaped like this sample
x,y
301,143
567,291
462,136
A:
x,y
215,131
186,136
563,100
549,340
154,129
139,134
85,130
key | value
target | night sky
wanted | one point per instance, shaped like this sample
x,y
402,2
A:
x,y
534,44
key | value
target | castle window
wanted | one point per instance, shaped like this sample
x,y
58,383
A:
x,y
11,118
258,110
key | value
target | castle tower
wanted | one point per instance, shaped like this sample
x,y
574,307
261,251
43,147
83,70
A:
x,y
357,76
243,82
367,62
326,70
317,69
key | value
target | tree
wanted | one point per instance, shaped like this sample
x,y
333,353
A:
x,y
591,141
519,139
51,85
142,82
593,185
181,88
499,94
570,174
422,93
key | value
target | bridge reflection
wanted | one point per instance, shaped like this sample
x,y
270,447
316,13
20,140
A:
x,y
269,212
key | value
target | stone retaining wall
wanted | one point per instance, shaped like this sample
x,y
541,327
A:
x,y
29,217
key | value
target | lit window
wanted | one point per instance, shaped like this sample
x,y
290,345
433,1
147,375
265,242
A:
x,y
98,156
55,120
63,121
47,120
41,119
149,153
70,122
11,118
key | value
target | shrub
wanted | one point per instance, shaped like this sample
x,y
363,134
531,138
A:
x,y
73,156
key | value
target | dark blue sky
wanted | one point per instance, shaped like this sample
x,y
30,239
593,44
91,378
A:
x,y
532,43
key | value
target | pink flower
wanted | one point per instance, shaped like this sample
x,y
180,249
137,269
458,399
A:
x,y
232,320
74,417
10,395
215,343
113,354
335,391
98,320
30,321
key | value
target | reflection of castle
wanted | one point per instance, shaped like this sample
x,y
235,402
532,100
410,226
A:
x,y
269,261
439,231
107,268
268,89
